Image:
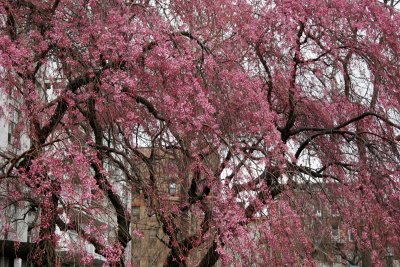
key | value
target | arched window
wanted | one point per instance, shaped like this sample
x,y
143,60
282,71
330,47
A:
x,y
172,188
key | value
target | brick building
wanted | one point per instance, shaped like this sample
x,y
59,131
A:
x,y
172,181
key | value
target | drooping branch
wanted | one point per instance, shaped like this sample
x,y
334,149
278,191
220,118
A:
x,y
291,117
150,107
123,221
267,70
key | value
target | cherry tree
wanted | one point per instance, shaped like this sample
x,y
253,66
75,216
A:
x,y
262,111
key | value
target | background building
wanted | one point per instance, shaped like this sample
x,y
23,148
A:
x,y
19,219
150,243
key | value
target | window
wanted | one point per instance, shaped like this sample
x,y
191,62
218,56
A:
x,y
153,235
335,233
136,213
13,125
319,213
15,116
11,129
172,188
351,236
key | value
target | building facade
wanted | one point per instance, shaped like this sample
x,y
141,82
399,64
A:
x,y
172,182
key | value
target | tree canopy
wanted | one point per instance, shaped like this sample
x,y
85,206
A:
x,y
264,111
